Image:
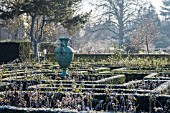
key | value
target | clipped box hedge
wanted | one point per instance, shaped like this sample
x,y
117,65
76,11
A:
x,y
118,79
10,51
103,56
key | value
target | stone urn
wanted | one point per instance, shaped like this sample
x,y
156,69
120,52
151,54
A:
x,y
64,56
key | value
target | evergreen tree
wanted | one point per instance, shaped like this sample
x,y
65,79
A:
x,y
165,24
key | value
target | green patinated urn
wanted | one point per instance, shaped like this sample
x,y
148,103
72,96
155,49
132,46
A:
x,y
64,55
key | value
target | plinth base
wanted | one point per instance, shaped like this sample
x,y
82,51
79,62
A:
x,y
64,74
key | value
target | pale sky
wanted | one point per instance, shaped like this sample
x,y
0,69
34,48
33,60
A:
x,y
157,4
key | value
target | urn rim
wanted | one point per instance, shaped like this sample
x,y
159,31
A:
x,y
64,38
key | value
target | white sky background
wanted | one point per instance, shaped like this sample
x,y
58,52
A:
x,y
87,7
157,4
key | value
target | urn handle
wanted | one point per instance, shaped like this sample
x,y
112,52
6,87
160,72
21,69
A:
x,y
62,51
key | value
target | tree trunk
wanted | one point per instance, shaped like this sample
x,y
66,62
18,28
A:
x,y
121,35
121,28
147,45
120,43
36,52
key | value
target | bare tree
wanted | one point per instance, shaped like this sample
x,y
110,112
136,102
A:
x,y
120,15
147,32
145,35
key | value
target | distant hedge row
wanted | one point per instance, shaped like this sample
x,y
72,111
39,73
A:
x,y
99,57
9,51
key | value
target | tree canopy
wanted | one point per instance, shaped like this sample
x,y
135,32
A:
x,y
58,11
41,13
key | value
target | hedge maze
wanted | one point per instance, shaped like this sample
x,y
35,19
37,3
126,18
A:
x,y
91,87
